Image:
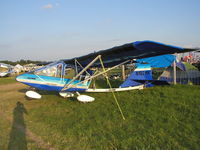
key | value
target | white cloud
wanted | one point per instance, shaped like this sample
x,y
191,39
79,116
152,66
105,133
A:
x,y
47,6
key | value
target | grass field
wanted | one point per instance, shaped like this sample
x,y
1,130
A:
x,y
156,118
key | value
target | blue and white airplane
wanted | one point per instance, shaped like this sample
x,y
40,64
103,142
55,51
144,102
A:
x,y
56,76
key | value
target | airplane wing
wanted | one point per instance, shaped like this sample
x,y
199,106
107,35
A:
x,y
130,51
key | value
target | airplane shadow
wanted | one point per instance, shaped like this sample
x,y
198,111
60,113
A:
x,y
42,92
17,140
22,90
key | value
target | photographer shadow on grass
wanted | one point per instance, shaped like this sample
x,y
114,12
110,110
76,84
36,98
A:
x,y
17,140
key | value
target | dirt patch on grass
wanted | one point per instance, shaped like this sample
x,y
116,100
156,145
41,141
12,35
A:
x,y
12,91
12,86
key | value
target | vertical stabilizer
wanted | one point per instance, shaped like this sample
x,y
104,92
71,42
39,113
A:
x,y
142,72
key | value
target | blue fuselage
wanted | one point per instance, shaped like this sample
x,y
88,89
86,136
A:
x,y
51,83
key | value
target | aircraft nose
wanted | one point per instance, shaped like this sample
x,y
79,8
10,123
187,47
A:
x,y
18,78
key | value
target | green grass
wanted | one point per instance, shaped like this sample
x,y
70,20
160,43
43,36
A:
x,y
101,83
156,118
7,80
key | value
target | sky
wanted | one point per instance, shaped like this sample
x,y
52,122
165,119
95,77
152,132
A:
x,y
50,30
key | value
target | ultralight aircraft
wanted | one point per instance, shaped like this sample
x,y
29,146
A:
x,y
54,76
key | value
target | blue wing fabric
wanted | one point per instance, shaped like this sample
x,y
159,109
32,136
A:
x,y
135,50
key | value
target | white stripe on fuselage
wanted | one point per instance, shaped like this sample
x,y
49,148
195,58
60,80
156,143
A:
x,y
50,83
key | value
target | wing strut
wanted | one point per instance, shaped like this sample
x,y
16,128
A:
x,y
66,86
111,88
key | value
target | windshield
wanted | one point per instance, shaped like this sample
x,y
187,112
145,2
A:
x,y
52,70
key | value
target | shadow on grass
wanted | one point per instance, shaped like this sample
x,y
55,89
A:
x,y
42,92
17,140
22,90
72,99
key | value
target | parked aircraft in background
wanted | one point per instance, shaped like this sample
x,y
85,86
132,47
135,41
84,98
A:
x,y
5,69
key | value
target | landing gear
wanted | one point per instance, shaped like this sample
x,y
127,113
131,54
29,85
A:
x,y
84,98
33,94
66,94
80,98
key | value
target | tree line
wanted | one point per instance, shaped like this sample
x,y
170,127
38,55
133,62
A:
x,y
22,62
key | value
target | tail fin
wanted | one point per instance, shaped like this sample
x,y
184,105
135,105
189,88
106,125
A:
x,y
142,72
